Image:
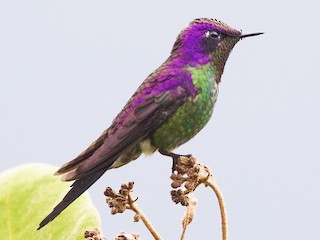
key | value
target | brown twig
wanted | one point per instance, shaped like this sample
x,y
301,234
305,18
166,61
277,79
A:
x,y
140,215
119,202
191,174
223,212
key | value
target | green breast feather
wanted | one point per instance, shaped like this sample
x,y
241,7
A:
x,y
193,115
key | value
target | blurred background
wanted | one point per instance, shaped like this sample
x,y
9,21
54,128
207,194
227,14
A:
x,y
68,67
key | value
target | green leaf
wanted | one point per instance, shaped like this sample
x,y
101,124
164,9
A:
x,y
29,193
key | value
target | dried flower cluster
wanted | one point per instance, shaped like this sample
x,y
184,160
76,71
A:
x,y
119,202
93,234
125,236
122,200
188,174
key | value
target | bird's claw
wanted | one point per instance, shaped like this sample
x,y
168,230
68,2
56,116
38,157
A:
x,y
175,157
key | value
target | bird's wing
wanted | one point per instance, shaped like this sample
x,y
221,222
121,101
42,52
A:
x,y
149,107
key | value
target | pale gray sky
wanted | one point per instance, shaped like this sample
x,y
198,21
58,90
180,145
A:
x,y
68,67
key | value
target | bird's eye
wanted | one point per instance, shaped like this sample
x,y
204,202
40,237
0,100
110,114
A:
x,y
213,35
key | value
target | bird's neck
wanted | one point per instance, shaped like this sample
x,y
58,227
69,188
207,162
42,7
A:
x,y
199,62
204,78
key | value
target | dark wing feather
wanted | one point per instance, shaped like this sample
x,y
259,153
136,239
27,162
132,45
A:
x,y
78,187
146,118
84,155
89,166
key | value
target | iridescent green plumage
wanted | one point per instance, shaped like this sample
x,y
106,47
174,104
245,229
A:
x,y
193,115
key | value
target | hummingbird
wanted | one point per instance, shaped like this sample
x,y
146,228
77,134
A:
x,y
168,109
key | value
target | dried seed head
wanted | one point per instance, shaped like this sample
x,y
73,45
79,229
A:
x,y
197,168
119,202
176,184
178,196
189,185
93,234
128,186
125,236
136,218
109,192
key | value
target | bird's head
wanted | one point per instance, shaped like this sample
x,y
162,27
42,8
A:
x,y
206,40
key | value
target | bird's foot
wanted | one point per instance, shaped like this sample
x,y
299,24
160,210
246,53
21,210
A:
x,y
174,157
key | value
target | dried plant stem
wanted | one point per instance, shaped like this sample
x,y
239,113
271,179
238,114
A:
x,y
188,177
224,223
134,207
183,232
189,214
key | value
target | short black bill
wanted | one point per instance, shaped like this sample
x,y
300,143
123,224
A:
x,y
250,35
